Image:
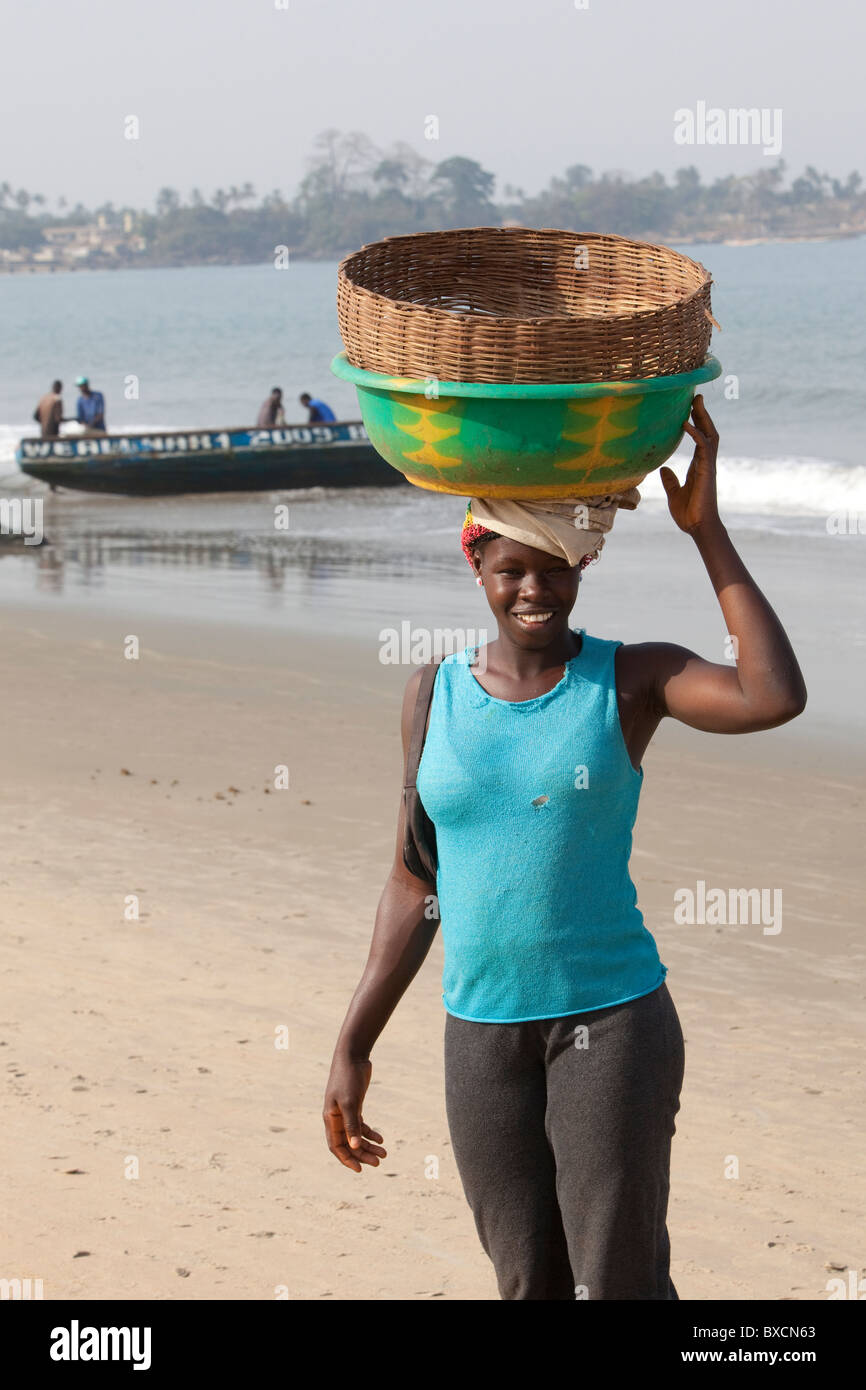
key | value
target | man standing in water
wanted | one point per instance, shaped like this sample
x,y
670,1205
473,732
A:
x,y
91,407
49,411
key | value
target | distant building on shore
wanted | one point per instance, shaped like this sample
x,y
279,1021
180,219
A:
x,y
74,247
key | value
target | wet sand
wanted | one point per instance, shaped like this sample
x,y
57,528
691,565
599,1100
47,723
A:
x,y
158,1144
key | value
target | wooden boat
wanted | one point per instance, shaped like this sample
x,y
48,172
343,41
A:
x,y
169,462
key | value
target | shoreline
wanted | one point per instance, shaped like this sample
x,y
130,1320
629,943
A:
x,y
353,569
768,239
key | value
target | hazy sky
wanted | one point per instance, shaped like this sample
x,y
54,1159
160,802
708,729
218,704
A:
x,y
233,90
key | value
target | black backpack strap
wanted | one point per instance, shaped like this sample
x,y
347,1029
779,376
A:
x,y
419,721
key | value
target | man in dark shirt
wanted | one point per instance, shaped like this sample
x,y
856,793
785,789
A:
x,y
49,411
91,407
272,413
319,413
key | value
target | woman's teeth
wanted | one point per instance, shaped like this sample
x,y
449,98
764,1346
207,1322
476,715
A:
x,y
533,619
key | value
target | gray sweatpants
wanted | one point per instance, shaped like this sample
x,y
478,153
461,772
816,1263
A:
x,y
562,1132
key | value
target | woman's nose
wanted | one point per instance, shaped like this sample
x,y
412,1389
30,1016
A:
x,y
533,584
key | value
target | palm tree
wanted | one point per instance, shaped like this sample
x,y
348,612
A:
x,y
849,188
578,176
167,200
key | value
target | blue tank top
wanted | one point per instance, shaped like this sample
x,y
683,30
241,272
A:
x,y
534,803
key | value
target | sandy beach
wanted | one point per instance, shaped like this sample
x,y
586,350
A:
x,y
159,1143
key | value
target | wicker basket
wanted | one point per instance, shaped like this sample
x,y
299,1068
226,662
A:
x,y
508,304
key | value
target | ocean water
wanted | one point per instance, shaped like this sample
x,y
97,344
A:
x,y
205,345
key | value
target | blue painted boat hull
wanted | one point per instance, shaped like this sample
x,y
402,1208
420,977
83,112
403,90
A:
x,y
170,463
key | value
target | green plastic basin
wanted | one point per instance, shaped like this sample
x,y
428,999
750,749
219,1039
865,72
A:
x,y
531,441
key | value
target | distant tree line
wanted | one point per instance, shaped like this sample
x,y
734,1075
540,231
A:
x,y
354,192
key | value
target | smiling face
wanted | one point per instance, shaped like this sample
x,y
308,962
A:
x,y
530,592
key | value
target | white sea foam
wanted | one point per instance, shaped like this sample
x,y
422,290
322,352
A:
x,y
779,487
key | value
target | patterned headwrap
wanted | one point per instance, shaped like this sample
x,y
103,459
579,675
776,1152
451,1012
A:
x,y
573,529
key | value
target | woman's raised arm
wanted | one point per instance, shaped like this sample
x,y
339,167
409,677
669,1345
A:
x,y
765,687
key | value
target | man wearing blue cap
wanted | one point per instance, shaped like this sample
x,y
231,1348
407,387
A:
x,y
91,407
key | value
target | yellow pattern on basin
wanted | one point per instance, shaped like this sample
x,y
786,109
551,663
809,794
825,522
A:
x,y
595,426
428,430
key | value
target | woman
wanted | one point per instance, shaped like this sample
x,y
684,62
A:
x,y
563,1049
